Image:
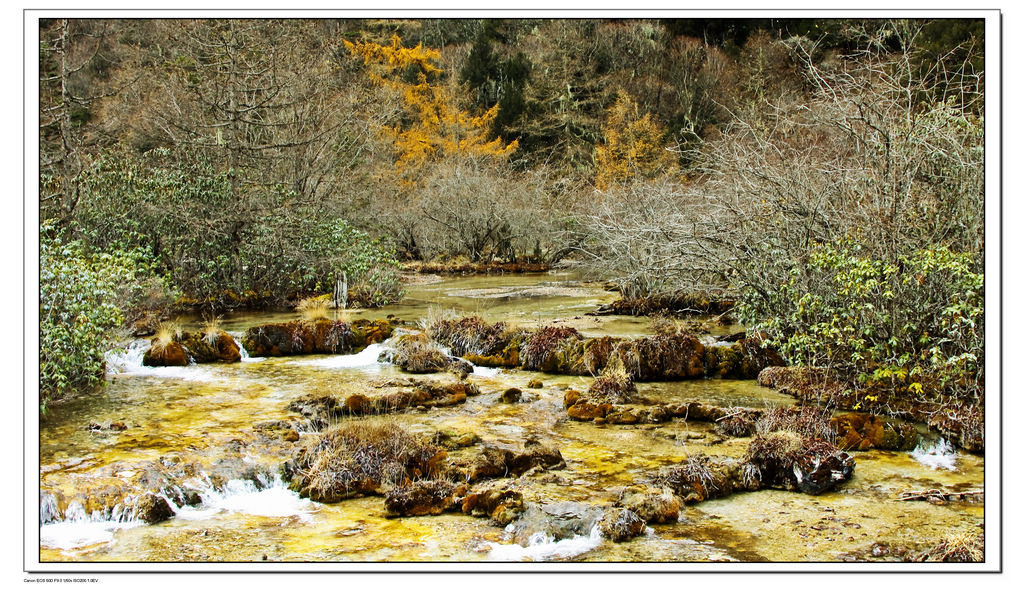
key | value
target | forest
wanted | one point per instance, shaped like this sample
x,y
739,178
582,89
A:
x,y
819,182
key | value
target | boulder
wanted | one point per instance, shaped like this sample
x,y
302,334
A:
x,y
425,497
356,459
152,509
165,354
499,461
415,353
621,524
556,521
860,432
212,347
501,501
652,506
321,336
511,395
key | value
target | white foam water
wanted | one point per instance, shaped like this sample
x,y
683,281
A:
x,y
938,455
366,359
78,529
542,547
484,371
244,496
128,361
245,353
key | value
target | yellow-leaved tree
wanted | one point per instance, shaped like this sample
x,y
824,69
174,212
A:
x,y
436,128
634,146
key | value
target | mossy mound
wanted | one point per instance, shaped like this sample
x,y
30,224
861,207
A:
x,y
357,459
212,347
166,354
860,432
415,353
323,336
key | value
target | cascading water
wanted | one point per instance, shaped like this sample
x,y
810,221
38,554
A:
x,y
199,428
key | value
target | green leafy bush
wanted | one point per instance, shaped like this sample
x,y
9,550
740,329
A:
x,y
227,246
82,298
913,325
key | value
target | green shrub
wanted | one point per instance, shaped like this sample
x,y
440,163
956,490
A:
x,y
82,298
224,245
914,324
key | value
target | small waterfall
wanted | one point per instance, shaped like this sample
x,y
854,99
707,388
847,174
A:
x,y
245,353
365,359
77,528
48,509
128,361
937,455
541,547
266,497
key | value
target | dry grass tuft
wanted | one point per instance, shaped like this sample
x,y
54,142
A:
x,y
314,308
211,329
614,386
808,421
957,547
544,343
363,457
167,333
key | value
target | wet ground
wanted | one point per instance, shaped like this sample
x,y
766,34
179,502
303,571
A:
x,y
195,415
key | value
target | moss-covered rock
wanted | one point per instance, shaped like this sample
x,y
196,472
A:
x,y
425,497
165,354
502,501
323,336
621,524
415,353
492,460
659,358
860,432
356,459
212,347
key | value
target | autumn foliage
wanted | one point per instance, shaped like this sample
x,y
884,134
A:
x,y
634,146
437,127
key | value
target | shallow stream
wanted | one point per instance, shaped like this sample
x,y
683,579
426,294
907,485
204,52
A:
x,y
203,416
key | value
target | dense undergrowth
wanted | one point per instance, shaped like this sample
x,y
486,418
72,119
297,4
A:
x,y
825,176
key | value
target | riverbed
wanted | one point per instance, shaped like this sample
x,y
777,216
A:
x,y
197,422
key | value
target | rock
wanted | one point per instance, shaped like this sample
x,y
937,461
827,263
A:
x,y
557,521
701,478
860,432
612,387
501,501
659,358
535,384
656,507
511,396
621,524
585,411
756,358
165,354
355,459
152,509
548,349
212,347
415,353
427,497
322,336
454,440
623,416
114,426
319,408
736,425
788,460
498,461
963,427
